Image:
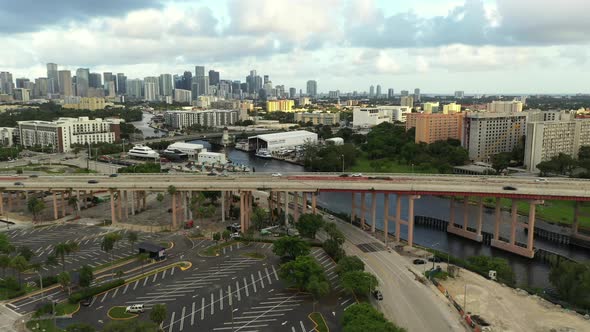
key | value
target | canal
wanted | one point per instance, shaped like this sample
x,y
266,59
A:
x,y
529,272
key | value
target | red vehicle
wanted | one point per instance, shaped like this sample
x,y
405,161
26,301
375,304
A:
x,y
189,224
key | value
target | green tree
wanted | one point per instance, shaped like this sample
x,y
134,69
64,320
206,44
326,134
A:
x,y
290,247
334,249
143,258
359,282
19,264
334,233
26,252
309,224
64,280
4,264
260,218
34,206
572,281
226,235
86,276
108,243
361,317
349,264
158,313
501,161
63,249
216,236
73,203
132,237
483,264
302,273
51,261
160,197
5,245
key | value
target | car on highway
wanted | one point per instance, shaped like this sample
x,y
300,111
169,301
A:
x,y
357,175
135,309
418,261
541,180
211,174
344,175
20,184
509,188
377,295
276,174
33,176
92,181
114,175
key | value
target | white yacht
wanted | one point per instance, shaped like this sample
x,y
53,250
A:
x,y
142,151
263,153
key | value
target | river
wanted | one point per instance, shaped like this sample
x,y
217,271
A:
x,y
146,130
530,272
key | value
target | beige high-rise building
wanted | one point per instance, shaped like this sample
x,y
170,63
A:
x,y
407,101
65,83
546,139
92,104
326,119
451,108
504,106
431,107
284,105
486,134
438,127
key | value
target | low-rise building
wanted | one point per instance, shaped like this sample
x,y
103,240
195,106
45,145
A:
x,y
283,105
7,136
191,149
205,118
92,104
451,108
63,133
326,119
277,141
183,96
371,116
431,107
210,158
546,139
497,106
407,101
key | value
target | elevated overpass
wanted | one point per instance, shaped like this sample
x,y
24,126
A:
x,y
305,186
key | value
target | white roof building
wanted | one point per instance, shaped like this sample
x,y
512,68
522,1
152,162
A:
x,y
285,140
191,149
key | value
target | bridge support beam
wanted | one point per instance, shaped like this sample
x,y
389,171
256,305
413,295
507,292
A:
x,y
295,206
174,222
363,209
304,207
1,203
463,230
113,214
353,209
385,218
63,204
286,206
314,202
373,212
245,209
55,211
526,249
398,217
222,206
411,199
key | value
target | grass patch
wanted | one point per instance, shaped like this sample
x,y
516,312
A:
x,y
43,325
318,319
66,308
214,250
119,313
553,211
363,164
115,262
166,244
254,255
11,293
440,275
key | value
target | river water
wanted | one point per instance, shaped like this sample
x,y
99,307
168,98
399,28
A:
x,y
146,130
528,272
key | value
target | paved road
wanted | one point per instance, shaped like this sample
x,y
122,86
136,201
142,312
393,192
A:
x,y
406,301
410,184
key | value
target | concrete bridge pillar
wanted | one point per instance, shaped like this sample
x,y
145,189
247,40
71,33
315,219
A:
x,y
531,224
465,212
398,217
304,202
9,197
126,204
286,207
498,215
113,213
63,204
373,211
55,211
514,220
222,207
174,208
1,203
314,202
363,209
296,206
385,218
576,223
480,216
411,199
353,211
120,204
452,212
143,200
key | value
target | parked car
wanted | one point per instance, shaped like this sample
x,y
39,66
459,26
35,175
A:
x,y
418,261
86,301
508,188
135,309
344,175
377,294
33,176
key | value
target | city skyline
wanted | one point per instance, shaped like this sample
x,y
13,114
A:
x,y
479,46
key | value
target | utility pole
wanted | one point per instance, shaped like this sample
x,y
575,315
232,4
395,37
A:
x,y
342,163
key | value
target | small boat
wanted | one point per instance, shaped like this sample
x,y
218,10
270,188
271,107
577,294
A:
x,y
263,153
142,151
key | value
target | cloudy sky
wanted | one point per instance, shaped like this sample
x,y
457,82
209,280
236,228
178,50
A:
x,y
480,46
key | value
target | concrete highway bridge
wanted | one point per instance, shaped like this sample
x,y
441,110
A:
x,y
293,191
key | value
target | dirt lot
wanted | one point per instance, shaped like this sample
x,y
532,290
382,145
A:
x,y
507,309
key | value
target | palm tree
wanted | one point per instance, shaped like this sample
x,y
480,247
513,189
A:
x,y
65,248
4,264
35,205
172,192
20,264
109,241
143,258
64,279
73,203
132,238
51,261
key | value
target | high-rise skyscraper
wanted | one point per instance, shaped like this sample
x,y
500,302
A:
x,y
266,79
417,94
21,83
6,84
95,80
156,88
378,93
203,85
213,77
65,83
195,88
199,71
149,90
390,93
312,88
41,87
53,78
108,77
134,88
165,82
371,91
82,77
404,93
187,80
121,84
292,92
459,94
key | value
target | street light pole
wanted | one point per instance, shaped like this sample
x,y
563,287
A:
x,y
342,163
465,301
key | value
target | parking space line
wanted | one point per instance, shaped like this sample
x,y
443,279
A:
x,y
135,285
238,290
193,315
229,295
172,271
302,326
145,281
182,318
164,274
154,279
220,299
261,279
172,321
246,287
224,250
268,276
212,306
202,308
253,282
115,293
104,297
293,329
125,290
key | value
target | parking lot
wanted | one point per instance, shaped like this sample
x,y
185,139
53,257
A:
x,y
214,289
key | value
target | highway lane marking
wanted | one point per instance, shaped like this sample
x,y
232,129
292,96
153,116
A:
x,y
172,321
193,315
